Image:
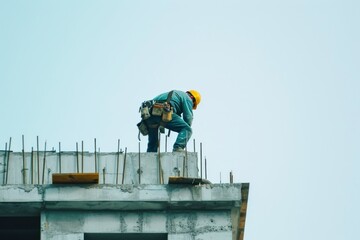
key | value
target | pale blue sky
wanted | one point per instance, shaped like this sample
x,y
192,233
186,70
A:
x,y
279,79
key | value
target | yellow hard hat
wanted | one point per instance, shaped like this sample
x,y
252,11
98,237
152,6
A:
x,y
197,97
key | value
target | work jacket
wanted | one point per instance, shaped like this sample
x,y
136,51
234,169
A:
x,y
181,103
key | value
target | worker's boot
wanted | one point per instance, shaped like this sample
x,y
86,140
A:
x,y
178,150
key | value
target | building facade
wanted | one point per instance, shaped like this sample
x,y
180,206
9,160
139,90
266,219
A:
x,y
133,198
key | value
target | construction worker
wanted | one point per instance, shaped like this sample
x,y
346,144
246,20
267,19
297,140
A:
x,y
180,108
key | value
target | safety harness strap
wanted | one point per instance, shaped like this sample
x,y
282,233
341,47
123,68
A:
x,y
168,101
169,96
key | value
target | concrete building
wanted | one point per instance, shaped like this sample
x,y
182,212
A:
x,y
133,198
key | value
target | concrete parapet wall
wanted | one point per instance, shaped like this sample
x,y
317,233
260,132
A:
x,y
37,168
16,199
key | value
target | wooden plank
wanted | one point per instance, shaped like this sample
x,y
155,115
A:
x,y
73,178
186,180
243,210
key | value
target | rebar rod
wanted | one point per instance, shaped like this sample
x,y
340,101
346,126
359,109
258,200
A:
x,y
82,156
183,168
43,174
186,162
24,163
8,162
104,172
59,157
77,158
32,165
139,166
38,159
5,165
231,177
117,162
95,155
194,145
98,153
124,167
205,169
159,158
201,168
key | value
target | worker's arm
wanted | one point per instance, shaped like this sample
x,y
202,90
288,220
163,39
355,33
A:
x,y
187,111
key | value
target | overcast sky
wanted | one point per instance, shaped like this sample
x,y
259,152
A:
x,y
279,83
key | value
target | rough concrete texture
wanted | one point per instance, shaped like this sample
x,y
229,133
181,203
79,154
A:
x,y
127,211
180,211
16,198
179,225
110,166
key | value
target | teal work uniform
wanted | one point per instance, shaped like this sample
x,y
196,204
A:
x,y
181,121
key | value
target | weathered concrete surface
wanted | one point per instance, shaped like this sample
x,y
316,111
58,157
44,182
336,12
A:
x,y
16,198
110,166
76,211
179,225
181,211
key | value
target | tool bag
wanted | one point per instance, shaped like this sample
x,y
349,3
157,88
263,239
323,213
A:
x,y
145,114
157,109
167,110
160,109
145,109
152,108
142,128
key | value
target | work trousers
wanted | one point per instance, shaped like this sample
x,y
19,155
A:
x,y
177,124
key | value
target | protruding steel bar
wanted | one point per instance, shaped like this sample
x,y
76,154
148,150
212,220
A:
x,y
194,145
77,158
8,161
98,153
82,156
32,165
44,160
186,162
117,162
159,158
139,166
95,155
124,167
166,137
201,167
104,172
5,165
205,169
59,157
231,177
38,159
183,168
24,163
